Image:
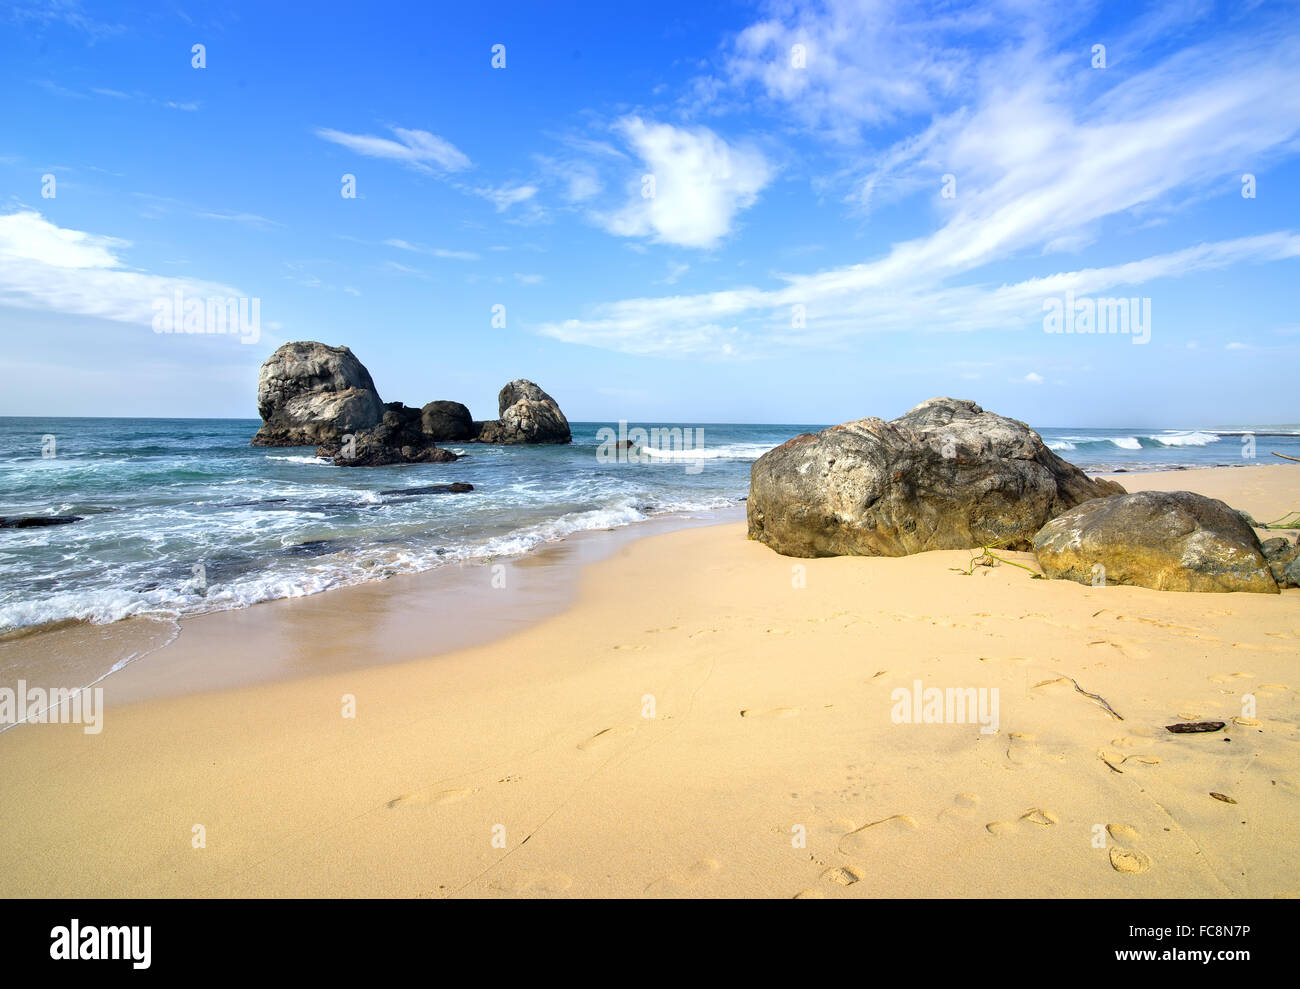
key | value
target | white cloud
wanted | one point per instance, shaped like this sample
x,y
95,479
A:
x,y
56,269
417,148
1034,378
700,183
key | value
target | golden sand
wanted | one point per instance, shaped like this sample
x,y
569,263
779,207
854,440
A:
x,y
705,718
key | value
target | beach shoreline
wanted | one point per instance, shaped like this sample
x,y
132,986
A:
x,y
675,725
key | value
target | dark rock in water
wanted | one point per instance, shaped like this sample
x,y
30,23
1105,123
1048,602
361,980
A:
x,y
456,487
526,415
1165,540
399,438
313,547
947,475
36,521
309,393
1283,561
447,422
1249,519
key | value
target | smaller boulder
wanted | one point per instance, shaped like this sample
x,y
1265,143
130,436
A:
x,y
447,422
1165,540
399,438
1283,558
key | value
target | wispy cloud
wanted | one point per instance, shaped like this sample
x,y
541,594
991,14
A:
x,y
433,252
505,196
417,149
1042,153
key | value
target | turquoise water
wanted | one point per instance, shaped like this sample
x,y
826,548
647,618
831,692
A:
x,y
182,516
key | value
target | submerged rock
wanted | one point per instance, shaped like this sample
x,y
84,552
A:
x,y
1165,540
309,393
456,487
526,415
36,521
946,475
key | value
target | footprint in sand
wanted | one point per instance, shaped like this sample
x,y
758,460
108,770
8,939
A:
x,y
963,806
1123,832
1227,677
1022,749
636,648
845,875
1035,815
1129,860
681,882
866,838
1247,722
810,894
1143,759
534,882
603,738
1043,818
426,799
769,712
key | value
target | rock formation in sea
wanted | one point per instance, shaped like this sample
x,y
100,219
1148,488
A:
x,y
310,394
526,415
1165,540
946,475
399,438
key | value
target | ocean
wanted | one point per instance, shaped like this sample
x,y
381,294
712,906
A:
x,y
182,516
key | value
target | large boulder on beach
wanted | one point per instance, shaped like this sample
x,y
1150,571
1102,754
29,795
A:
x,y
447,422
946,475
398,438
309,393
1165,540
526,415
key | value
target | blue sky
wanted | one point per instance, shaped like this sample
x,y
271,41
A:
x,y
798,261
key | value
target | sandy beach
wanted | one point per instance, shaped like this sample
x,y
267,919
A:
x,y
701,717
